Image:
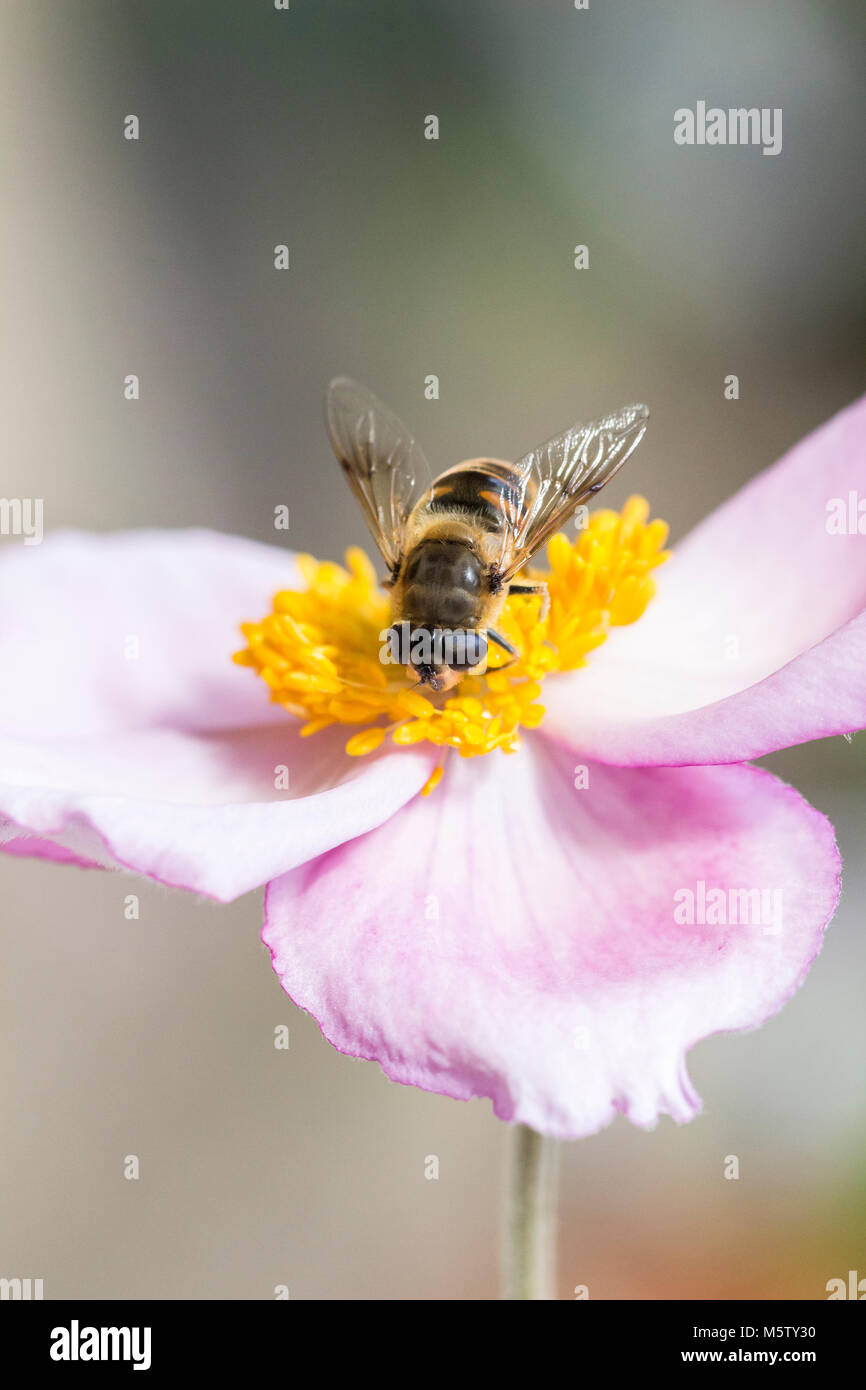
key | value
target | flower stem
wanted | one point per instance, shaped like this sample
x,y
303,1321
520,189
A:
x,y
529,1238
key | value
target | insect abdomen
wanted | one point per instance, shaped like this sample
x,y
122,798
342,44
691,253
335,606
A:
x,y
491,492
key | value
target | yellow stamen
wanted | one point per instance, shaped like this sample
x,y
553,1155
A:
x,y
365,742
318,651
433,780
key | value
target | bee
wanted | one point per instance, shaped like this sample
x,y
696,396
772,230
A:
x,y
454,545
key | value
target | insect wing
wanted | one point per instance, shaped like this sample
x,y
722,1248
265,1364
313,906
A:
x,y
385,467
561,474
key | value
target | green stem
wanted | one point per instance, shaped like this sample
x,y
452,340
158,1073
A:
x,y
529,1238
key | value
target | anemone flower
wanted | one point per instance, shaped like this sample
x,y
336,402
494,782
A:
x,y
596,879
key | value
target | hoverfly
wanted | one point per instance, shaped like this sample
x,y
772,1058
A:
x,y
454,545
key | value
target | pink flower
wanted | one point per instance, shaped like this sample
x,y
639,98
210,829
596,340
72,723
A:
x,y
552,929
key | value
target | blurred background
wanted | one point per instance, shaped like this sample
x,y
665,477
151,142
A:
x,y
408,258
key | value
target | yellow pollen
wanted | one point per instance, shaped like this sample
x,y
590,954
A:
x,y
318,651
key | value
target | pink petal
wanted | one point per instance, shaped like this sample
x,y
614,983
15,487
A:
x,y
755,639
29,847
147,762
513,937
198,811
70,607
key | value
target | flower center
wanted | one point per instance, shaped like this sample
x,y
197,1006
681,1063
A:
x,y
319,650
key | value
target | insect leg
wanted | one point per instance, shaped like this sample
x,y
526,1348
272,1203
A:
x,y
506,646
539,588
501,641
